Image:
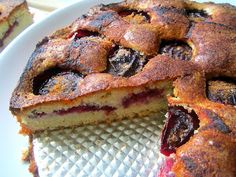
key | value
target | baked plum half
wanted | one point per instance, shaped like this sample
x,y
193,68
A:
x,y
179,127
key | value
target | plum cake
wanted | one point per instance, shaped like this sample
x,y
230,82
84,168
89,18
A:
x,y
136,58
14,17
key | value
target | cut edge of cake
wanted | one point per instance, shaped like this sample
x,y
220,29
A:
x,y
19,19
102,106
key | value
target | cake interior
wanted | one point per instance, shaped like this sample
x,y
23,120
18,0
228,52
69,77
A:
x,y
16,22
103,106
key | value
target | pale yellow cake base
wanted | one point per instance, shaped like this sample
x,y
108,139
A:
x,y
23,18
111,98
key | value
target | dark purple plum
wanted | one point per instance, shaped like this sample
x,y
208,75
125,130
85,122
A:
x,y
178,129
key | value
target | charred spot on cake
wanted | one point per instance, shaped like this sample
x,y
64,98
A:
x,y
197,14
222,90
102,19
193,166
176,49
189,163
85,42
82,36
134,16
216,122
42,42
56,80
112,6
178,129
125,62
162,10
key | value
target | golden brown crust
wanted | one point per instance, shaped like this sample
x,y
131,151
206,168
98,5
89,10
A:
x,y
206,155
215,48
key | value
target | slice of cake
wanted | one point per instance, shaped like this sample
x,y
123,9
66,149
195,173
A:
x,y
14,18
136,58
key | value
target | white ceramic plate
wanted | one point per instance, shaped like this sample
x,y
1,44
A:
x,y
12,61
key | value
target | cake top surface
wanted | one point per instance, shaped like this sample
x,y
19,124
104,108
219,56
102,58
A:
x,y
129,44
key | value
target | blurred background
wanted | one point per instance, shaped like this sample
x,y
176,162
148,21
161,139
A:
x,y
41,8
49,5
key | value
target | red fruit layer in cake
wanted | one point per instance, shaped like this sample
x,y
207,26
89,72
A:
x,y
142,97
77,109
85,108
9,31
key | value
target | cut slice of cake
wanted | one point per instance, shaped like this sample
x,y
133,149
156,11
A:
x,y
14,18
72,99
136,58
